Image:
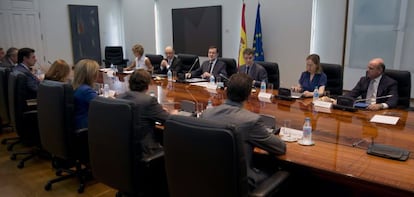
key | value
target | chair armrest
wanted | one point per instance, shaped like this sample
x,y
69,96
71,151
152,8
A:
x,y
270,185
153,157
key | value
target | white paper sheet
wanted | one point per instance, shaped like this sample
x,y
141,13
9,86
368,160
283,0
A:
x,y
385,119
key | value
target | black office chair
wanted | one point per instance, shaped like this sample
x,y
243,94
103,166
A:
x,y
334,74
23,117
187,60
114,55
155,61
206,158
115,149
4,107
272,69
231,65
404,85
55,106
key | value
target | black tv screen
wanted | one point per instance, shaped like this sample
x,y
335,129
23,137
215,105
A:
x,y
195,29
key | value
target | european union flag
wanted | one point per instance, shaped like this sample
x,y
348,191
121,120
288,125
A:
x,y
257,41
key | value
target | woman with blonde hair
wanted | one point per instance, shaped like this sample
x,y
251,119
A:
x,y
58,71
312,77
85,76
140,61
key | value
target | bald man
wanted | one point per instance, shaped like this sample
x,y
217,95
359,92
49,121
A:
x,y
376,84
171,62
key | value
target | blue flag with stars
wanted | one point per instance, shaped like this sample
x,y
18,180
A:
x,y
257,41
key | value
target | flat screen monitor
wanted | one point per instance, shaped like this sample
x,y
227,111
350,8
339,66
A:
x,y
195,29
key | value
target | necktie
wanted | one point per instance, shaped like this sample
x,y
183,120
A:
x,y
247,69
211,67
371,95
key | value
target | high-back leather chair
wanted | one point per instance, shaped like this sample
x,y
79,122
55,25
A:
x,y
403,78
231,65
115,149
334,74
187,60
155,61
4,107
206,158
23,117
4,104
114,55
55,106
272,69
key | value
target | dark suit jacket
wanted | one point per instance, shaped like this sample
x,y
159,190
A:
x,y
5,62
253,131
32,80
175,66
386,86
150,112
256,72
219,67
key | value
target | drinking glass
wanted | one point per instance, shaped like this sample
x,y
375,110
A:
x,y
270,88
286,126
199,109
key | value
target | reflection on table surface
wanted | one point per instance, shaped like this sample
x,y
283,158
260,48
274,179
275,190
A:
x,y
341,137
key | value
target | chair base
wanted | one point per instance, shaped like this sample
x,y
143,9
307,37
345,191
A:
x,y
81,173
30,154
16,140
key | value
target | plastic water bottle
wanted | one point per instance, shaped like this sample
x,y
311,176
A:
x,y
316,94
209,104
169,75
212,79
106,90
307,132
263,86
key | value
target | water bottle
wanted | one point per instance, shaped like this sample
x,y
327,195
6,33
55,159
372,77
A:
x,y
212,79
263,86
209,104
307,132
106,90
113,68
316,94
169,75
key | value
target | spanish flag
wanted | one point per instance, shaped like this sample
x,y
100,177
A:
x,y
243,37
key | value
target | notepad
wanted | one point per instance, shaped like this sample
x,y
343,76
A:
x,y
385,119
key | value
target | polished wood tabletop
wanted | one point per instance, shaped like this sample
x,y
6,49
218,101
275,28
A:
x,y
341,138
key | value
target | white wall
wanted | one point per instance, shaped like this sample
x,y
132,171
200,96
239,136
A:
x,y
286,27
328,30
55,24
139,25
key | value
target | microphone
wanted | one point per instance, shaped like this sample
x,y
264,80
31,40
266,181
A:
x,y
192,66
224,77
380,97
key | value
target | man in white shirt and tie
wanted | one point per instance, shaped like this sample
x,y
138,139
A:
x,y
374,85
212,66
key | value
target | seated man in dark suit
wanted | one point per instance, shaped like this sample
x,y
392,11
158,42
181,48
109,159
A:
x,y
212,66
255,71
250,124
10,60
150,110
376,84
171,62
26,60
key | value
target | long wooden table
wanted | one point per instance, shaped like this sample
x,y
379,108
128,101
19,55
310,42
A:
x,y
333,156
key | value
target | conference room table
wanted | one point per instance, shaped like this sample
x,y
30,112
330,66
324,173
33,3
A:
x,y
341,138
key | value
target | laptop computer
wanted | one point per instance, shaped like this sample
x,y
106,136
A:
x,y
287,94
195,80
345,103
